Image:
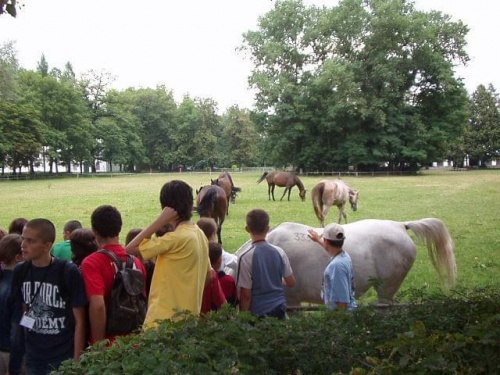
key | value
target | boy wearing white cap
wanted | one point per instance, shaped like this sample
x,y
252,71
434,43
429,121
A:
x,y
338,279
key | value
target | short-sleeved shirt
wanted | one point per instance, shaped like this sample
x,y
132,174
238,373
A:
x,y
261,268
51,339
62,250
98,271
213,296
339,282
228,286
181,269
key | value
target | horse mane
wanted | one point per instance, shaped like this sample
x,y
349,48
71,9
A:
x,y
300,185
207,201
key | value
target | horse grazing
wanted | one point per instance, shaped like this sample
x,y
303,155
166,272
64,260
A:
x,y
282,179
337,192
211,202
382,254
226,182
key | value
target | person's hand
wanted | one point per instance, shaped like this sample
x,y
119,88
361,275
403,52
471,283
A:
x,y
168,216
313,235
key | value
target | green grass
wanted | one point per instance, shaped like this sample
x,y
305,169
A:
x,y
468,203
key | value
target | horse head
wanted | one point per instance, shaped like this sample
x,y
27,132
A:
x,y
302,194
353,199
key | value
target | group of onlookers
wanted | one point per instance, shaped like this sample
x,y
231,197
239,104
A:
x,y
55,298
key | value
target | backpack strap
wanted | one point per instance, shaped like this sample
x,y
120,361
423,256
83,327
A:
x,y
113,257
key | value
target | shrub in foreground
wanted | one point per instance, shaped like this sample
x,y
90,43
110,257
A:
x,y
455,335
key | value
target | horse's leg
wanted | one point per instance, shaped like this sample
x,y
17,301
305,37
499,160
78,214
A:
x,y
326,208
289,191
272,190
344,213
284,192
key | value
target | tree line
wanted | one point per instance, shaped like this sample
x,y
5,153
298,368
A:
x,y
365,84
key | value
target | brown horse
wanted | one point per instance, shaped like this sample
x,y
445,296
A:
x,y
226,182
333,192
211,202
286,179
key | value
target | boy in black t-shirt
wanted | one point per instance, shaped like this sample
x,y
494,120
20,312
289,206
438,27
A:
x,y
53,298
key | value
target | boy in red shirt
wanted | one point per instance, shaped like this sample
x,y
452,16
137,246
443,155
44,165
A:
x,y
98,269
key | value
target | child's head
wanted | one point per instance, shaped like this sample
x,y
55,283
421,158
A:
x,y
10,249
17,225
38,237
257,222
215,254
69,227
178,195
132,233
106,221
83,243
209,227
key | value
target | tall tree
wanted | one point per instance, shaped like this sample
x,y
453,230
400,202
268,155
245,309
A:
x,y
21,137
482,138
240,136
94,86
9,66
155,111
363,83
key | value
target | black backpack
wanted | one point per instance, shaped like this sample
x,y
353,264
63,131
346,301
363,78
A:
x,y
127,305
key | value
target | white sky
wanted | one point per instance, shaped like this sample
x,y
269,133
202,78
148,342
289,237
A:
x,y
189,45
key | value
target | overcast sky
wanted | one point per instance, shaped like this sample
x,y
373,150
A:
x,y
189,45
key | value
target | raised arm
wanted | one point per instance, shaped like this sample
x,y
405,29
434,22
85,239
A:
x,y
167,216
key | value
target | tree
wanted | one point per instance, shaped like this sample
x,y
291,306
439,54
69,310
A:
x,y
208,133
155,110
362,84
482,138
9,67
240,136
93,86
21,138
8,6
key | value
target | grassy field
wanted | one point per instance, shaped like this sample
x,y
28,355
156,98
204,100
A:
x,y
468,203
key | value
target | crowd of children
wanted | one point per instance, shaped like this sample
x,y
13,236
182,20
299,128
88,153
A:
x,y
55,298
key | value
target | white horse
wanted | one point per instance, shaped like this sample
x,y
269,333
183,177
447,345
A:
x,y
382,253
333,192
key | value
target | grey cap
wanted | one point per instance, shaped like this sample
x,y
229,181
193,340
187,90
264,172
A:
x,y
334,232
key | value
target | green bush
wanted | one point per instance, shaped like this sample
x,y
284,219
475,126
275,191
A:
x,y
448,335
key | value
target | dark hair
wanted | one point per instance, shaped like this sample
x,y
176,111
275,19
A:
x,y
45,229
83,243
132,233
207,225
106,221
214,252
178,195
17,225
164,229
257,221
72,225
10,246
336,243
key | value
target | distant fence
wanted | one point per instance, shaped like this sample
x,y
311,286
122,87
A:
x,y
37,176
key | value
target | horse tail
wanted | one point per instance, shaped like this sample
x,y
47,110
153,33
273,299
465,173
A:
x,y
236,189
207,202
434,233
317,198
262,177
